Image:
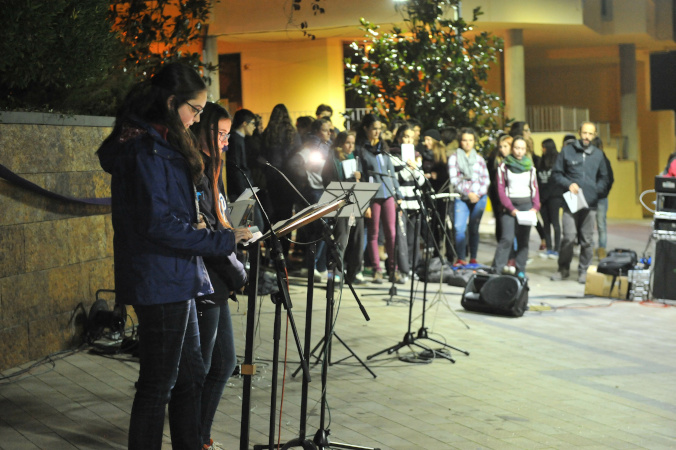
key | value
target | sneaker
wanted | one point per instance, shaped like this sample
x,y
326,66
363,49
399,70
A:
x,y
459,263
473,261
319,276
403,278
544,254
359,278
552,254
377,278
213,445
521,276
396,278
601,253
582,278
560,275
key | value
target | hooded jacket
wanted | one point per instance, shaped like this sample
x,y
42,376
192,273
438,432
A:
x,y
584,166
157,250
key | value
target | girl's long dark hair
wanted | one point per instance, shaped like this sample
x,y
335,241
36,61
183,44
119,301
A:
x,y
280,132
549,155
156,101
206,131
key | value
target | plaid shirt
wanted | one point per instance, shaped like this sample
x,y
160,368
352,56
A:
x,y
477,184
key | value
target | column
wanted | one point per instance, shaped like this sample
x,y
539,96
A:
x,y
628,102
211,58
515,75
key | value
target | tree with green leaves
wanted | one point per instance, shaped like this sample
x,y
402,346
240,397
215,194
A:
x,y
432,72
81,57
161,31
54,51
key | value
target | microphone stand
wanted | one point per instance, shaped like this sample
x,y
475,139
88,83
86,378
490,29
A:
x,y
279,299
393,289
409,337
321,440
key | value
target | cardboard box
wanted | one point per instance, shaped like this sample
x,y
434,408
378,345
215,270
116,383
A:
x,y
598,284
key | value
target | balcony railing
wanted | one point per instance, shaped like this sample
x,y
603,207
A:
x,y
556,117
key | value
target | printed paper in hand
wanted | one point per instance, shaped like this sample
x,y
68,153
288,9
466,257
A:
x,y
526,218
349,167
407,152
575,202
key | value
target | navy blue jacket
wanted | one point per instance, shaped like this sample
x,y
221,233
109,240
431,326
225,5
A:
x,y
157,250
584,166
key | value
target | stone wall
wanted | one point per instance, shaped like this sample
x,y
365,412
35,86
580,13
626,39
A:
x,y
54,254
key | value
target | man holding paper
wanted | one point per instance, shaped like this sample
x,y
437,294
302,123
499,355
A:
x,y
581,169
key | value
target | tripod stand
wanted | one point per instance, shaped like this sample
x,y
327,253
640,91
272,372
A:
x,y
409,337
321,437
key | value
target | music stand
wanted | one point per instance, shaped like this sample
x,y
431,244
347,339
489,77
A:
x,y
362,193
302,218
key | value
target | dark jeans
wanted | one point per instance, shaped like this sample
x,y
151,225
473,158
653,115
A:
x,y
351,241
511,230
220,359
550,219
401,243
580,225
467,212
171,372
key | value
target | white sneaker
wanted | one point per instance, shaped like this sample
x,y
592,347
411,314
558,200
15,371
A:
x,y
359,277
320,276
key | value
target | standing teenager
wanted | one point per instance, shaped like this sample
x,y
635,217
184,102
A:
x,y
155,164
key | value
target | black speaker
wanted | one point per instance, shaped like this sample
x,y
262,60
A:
x,y
664,270
496,294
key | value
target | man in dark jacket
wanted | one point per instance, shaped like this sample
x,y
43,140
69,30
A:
x,y
580,166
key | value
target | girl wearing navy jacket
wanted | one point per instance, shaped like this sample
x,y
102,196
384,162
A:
x,y
158,242
227,273
518,191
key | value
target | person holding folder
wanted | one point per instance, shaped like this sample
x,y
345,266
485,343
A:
x,y
520,200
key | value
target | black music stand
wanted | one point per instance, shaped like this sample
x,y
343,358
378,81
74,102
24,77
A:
x,y
302,218
363,193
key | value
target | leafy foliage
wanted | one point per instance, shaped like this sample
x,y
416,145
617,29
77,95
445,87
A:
x,y
431,72
53,49
81,57
160,31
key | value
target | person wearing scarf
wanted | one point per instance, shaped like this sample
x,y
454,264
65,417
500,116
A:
x,y
518,191
469,177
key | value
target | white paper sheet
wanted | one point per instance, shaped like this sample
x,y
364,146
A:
x,y
349,167
575,202
407,152
526,218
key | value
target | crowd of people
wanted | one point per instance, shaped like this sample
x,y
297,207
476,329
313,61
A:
x,y
524,189
175,246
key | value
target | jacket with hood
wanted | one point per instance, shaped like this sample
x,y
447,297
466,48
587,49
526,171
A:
x,y
157,250
584,166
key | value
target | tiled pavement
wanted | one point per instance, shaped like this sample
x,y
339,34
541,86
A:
x,y
581,372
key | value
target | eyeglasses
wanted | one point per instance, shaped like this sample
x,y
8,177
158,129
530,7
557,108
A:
x,y
198,111
222,135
